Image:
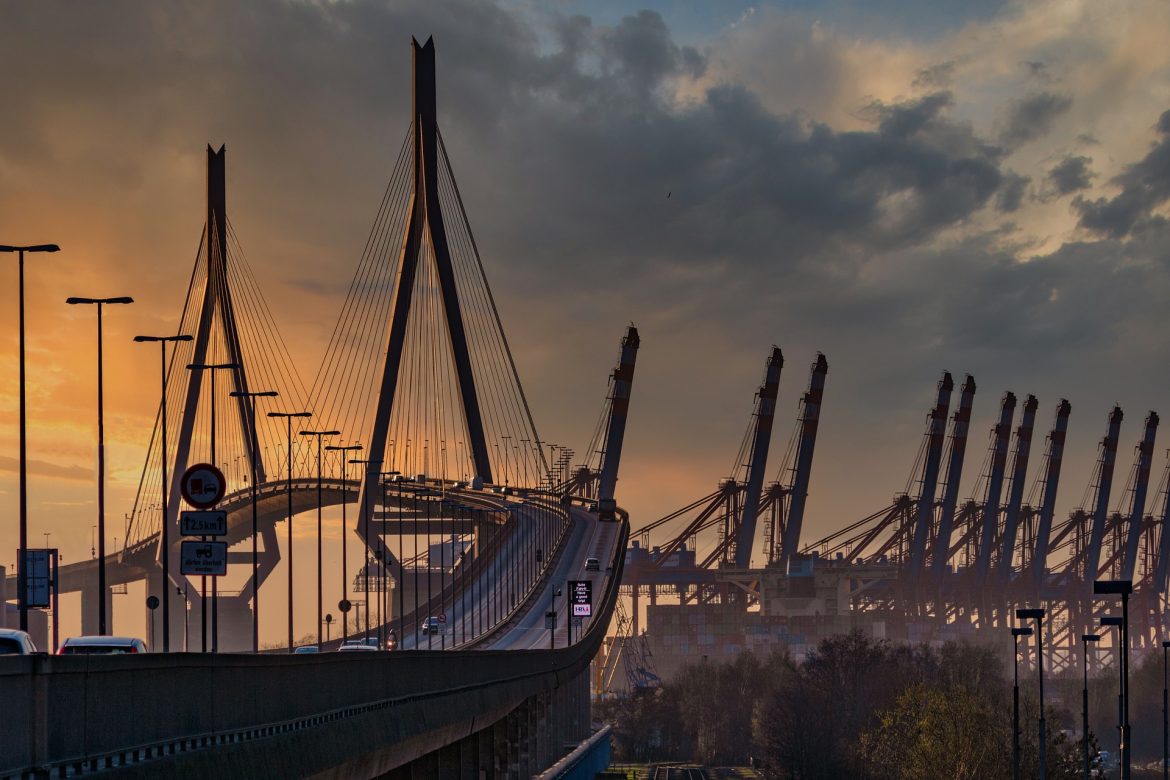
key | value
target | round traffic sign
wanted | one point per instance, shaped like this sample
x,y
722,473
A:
x,y
442,617
152,602
344,605
203,485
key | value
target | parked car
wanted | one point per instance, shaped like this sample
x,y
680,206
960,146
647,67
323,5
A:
x,y
101,645
432,626
306,650
13,642
592,564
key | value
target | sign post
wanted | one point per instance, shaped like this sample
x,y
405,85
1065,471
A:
x,y
203,558
580,602
203,486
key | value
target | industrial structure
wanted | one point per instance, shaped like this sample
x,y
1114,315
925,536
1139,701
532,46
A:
x,y
927,567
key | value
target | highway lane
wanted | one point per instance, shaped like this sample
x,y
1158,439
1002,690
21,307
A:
x,y
588,538
591,539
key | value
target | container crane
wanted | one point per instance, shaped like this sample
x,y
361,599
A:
x,y
1048,501
990,519
1145,456
1011,517
936,435
810,417
960,424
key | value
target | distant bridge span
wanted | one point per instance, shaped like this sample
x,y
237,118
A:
x,y
140,560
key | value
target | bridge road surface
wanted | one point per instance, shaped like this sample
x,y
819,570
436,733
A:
x,y
589,538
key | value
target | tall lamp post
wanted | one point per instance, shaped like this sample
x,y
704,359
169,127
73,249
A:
x,y
289,416
1114,621
252,396
344,531
21,587
1085,640
320,606
1121,588
1165,713
1037,614
165,530
212,367
1016,634
103,626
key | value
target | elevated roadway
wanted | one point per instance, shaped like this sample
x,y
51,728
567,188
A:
x,y
504,702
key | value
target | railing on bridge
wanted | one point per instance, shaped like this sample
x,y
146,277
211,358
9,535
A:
x,y
73,714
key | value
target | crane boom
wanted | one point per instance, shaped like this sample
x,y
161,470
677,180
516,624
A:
x,y
1011,518
1163,548
1104,485
936,435
1048,502
751,503
623,381
810,418
1145,457
959,427
999,448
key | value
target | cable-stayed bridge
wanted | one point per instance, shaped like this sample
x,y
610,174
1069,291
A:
x,y
416,424
421,433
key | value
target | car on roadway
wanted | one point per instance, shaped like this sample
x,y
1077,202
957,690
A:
x,y
101,645
357,646
14,642
306,650
592,564
432,625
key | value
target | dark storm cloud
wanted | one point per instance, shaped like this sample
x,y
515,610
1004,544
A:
x,y
1145,185
1011,194
566,137
1031,117
936,76
1071,174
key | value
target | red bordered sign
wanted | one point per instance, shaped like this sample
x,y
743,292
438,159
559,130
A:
x,y
203,486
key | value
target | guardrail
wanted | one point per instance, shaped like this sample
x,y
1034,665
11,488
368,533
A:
x,y
64,715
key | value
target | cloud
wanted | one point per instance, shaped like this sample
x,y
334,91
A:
x,y
1071,174
42,468
829,191
1145,185
1031,117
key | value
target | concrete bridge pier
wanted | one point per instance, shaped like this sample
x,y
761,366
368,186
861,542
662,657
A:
x,y
90,607
529,739
235,624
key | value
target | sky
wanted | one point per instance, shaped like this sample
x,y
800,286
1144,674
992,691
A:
x,y
907,187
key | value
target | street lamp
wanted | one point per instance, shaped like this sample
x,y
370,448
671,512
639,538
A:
x,y
103,627
1016,634
1085,640
1121,588
320,606
252,396
21,573
1165,715
1037,614
1115,621
164,531
288,416
212,367
344,500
